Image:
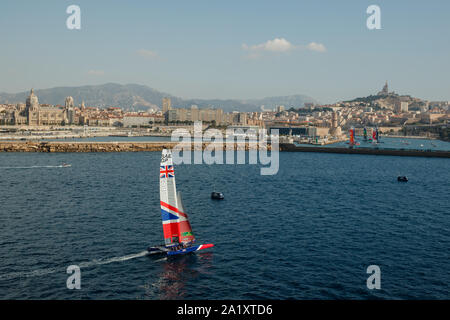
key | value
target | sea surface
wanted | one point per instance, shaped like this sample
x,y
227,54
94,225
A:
x,y
308,232
392,143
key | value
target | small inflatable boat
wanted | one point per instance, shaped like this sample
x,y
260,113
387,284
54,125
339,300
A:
x,y
217,196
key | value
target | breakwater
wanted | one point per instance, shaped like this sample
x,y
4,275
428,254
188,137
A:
x,y
371,151
60,146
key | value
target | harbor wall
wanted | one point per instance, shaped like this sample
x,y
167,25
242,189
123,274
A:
x,y
158,146
371,151
102,146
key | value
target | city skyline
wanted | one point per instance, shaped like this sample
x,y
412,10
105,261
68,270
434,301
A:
x,y
211,50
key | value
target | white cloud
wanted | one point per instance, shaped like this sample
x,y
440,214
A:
x,y
313,46
279,45
275,45
96,72
147,53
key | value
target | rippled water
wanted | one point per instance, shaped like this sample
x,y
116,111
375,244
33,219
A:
x,y
395,144
308,232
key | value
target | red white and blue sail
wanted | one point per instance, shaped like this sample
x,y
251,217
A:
x,y
176,226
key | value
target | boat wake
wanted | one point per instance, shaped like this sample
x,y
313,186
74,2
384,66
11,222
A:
x,y
87,264
96,262
34,273
36,167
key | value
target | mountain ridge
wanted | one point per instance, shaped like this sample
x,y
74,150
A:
x,y
136,96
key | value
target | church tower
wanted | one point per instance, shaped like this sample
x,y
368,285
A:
x,y
69,110
32,102
32,109
386,88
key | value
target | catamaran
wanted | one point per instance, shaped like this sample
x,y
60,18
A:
x,y
178,236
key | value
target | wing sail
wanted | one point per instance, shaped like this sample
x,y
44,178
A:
x,y
176,226
167,191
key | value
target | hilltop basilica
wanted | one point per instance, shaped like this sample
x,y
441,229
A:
x,y
385,91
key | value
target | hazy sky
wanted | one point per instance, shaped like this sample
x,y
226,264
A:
x,y
230,49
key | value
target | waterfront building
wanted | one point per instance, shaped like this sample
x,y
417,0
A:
x,y
166,104
280,108
305,131
430,117
176,115
33,113
13,114
38,115
194,114
137,120
401,107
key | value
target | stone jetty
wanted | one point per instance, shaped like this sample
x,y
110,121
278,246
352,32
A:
x,y
371,151
59,146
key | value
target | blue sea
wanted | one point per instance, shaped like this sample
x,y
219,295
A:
x,y
309,232
391,143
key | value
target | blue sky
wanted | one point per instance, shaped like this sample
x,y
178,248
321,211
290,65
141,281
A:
x,y
227,49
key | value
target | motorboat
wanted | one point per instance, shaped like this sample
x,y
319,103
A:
x,y
217,196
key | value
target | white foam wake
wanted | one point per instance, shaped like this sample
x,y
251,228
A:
x,y
96,262
34,273
34,167
87,264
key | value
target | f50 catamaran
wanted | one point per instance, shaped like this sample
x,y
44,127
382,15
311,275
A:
x,y
178,236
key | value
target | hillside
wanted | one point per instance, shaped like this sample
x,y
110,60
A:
x,y
138,97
